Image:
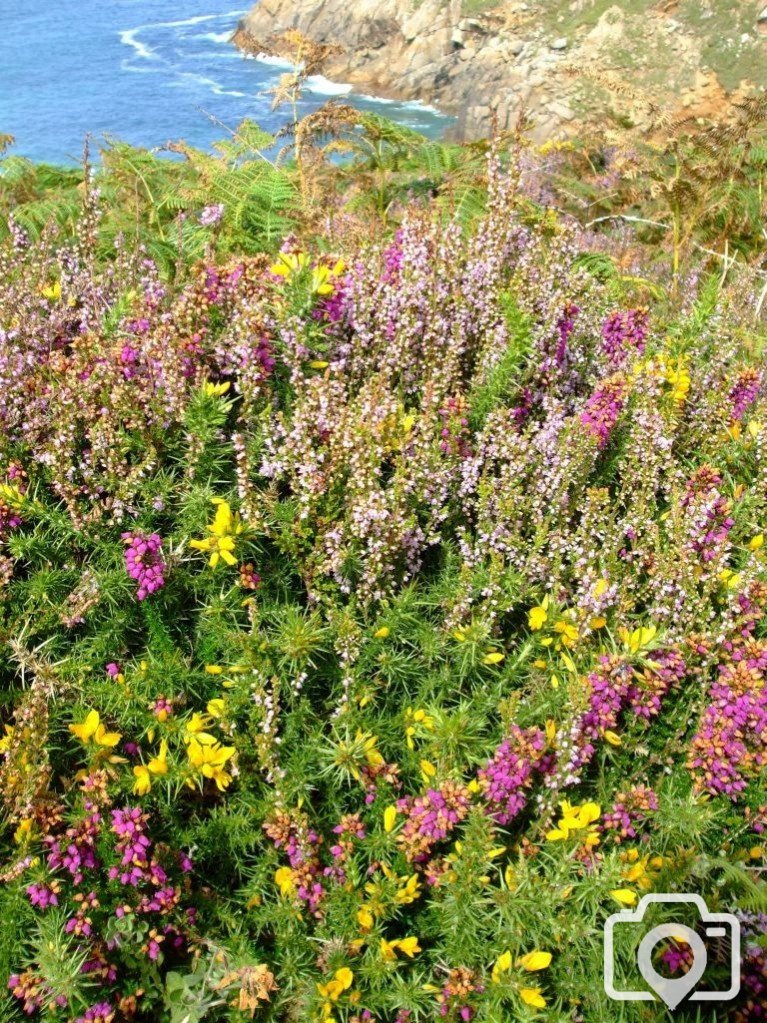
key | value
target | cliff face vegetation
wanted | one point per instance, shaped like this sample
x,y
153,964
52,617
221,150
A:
x,y
561,64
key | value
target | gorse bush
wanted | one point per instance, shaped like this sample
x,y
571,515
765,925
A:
x,y
379,615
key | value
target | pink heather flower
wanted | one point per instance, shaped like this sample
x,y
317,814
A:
x,y
629,812
42,896
678,957
144,562
76,850
162,708
212,215
614,688
708,513
430,818
603,409
393,259
731,742
624,334
129,357
508,776
101,1012
565,327
744,393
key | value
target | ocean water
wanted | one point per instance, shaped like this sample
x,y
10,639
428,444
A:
x,y
146,71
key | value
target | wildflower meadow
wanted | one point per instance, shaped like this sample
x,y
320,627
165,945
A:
x,y
382,591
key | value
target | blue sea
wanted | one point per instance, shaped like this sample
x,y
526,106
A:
x,y
146,71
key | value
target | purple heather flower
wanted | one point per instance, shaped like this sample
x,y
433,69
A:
x,y
144,562
212,215
744,393
603,409
509,774
624,334
42,896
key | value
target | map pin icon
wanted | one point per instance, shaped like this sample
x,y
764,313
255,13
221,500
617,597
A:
x,y
672,990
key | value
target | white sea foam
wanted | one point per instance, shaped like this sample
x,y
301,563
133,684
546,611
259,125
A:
x,y
182,77
320,85
410,104
136,69
271,61
199,19
128,38
216,37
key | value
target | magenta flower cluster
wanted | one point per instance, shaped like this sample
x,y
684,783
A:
x,y
144,562
603,409
744,393
506,779
623,334
78,875
731,742
708,514
430,818
629,812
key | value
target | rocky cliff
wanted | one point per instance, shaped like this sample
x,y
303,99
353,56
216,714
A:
x,y
558,62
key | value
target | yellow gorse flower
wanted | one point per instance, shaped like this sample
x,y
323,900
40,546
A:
x,y
283,878
415,719
323,277
216,707
677,377
531,962
390,818
223,529
638,639
409,892
408,946
365,918
290,264
143,772
494,657
536,617
535,961
91,731
574,819
624,896
209,757
502,965
532,996
216,390
6,739
341,981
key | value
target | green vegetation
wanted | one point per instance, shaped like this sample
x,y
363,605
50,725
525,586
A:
x,y
382,573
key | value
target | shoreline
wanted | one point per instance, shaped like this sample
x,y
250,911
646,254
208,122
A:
x,y
508,61
333,87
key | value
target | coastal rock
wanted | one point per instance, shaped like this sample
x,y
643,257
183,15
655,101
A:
x,y
490,68
562,110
